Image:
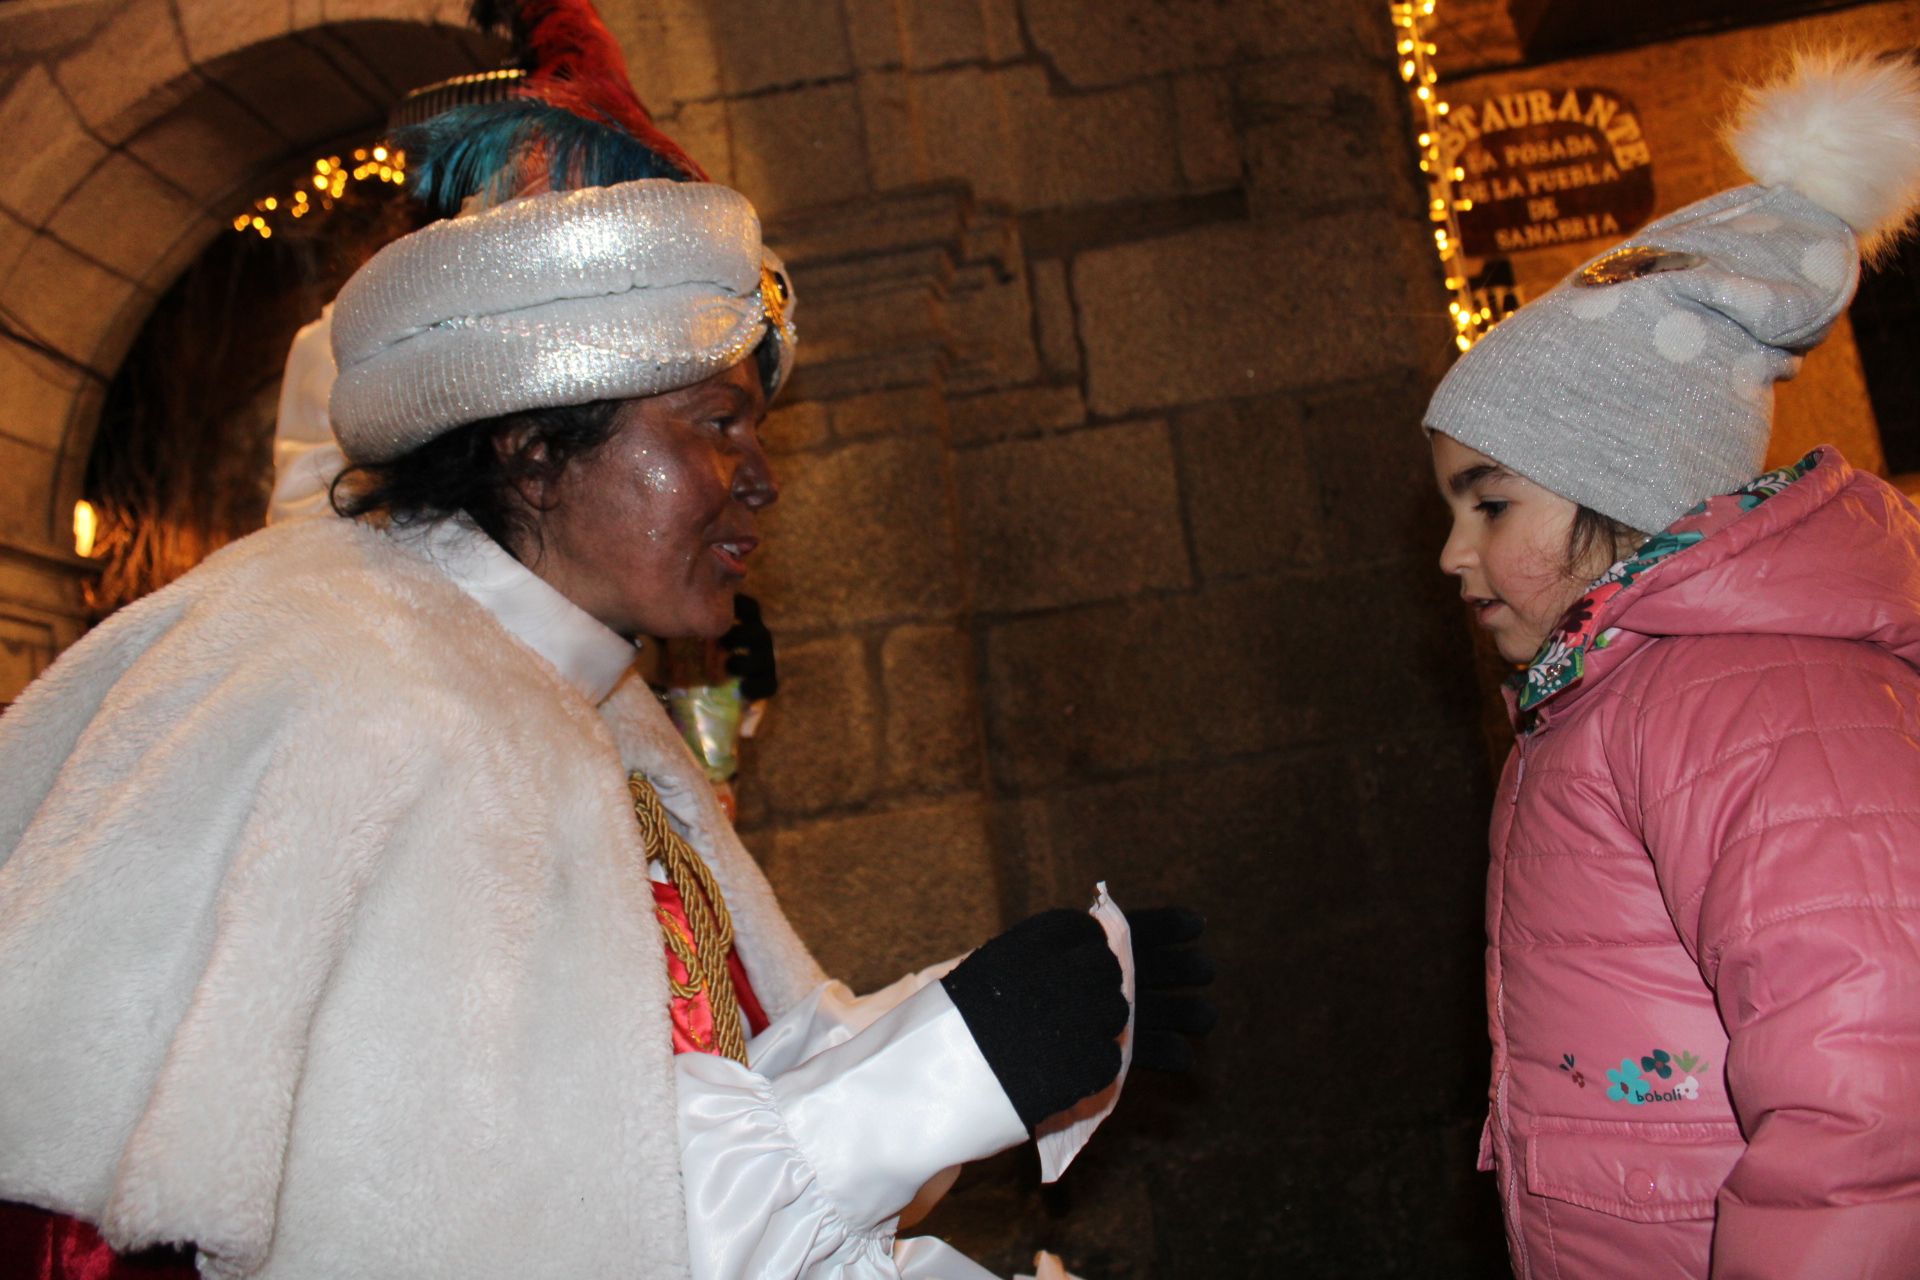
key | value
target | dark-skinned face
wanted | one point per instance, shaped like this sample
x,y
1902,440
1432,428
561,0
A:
x,y
650,532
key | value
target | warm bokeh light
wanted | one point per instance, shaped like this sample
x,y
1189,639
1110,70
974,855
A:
x,y
329,178
1412,18
86,525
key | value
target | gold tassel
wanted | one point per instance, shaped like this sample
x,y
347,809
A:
x,y
704,954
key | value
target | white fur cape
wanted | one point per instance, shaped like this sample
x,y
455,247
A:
x,y
326,940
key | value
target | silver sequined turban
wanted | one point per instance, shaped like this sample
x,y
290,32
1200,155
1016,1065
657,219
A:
x,y
606,293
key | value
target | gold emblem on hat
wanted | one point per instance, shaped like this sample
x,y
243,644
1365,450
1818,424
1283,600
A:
x,y
773,297
1633,262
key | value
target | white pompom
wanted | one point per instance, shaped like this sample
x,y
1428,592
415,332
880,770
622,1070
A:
x,y
1843,129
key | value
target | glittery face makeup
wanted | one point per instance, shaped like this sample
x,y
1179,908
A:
x,y
1508,547
650,532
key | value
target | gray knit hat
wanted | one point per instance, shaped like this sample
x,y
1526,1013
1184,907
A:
x,y
1643,382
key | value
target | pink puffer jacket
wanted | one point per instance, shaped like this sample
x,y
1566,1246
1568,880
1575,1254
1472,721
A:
x,y
1703,913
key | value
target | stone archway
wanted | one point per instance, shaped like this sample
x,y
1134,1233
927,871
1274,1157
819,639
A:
x,y
139,126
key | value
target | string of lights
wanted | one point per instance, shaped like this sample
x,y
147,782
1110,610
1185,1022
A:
x,y
327,183
1413,23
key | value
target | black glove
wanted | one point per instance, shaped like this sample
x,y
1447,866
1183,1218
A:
x,y
1164,958
749,648
1043,1002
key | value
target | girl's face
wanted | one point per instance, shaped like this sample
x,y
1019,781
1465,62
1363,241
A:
x,y
650,532
1508,547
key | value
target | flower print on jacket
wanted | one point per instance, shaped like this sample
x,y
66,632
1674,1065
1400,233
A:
x,y
1627,1085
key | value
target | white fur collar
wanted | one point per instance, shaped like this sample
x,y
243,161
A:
x,y
586,653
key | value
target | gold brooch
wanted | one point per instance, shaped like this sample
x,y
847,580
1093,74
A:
x,y
1633,262
773,297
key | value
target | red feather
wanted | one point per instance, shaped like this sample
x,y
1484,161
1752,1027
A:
x,y
573,62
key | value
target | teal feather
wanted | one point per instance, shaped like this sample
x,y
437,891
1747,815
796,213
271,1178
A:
x,y
473,150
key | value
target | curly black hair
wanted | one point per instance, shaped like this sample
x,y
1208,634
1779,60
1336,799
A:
x,y
475,469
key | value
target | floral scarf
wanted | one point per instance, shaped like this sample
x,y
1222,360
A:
x,y
1562,660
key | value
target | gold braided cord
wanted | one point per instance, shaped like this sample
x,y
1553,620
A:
x,y
705,954
682,948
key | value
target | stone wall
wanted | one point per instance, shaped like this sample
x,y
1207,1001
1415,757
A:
x,y
1106,552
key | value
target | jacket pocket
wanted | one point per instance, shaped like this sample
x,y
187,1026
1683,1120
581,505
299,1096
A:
x,y
1640,1172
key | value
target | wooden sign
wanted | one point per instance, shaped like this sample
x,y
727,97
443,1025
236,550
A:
x,y
1547,167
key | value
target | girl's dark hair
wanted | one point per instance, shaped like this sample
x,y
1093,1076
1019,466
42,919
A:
x,y
471,469
1591,529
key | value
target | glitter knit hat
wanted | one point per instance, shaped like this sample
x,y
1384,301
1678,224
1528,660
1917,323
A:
x,y
584,256
1643,382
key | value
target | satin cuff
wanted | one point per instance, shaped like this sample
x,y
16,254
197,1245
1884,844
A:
x,y
831,1015
893,1106
804,1175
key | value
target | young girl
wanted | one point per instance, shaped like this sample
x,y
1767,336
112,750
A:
x,y
1703,910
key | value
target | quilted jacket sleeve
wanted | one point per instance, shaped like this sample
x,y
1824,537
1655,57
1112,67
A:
x,y
1781,803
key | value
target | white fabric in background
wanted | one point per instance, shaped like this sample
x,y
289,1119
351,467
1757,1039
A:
x,y
306,457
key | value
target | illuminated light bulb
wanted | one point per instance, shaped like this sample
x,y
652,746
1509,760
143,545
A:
x,y
1406,47
1465,343
360,153
259,221
1464,206
266,233
1443,108
321,166
1459,174
1425,93
379,153
1407,70
271,204
240,223
86,525
1426,139
1425,167
320,181
1454,307
1455,282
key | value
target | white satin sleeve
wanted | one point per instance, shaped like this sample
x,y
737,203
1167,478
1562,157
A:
x,y
803,1173
831,1015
